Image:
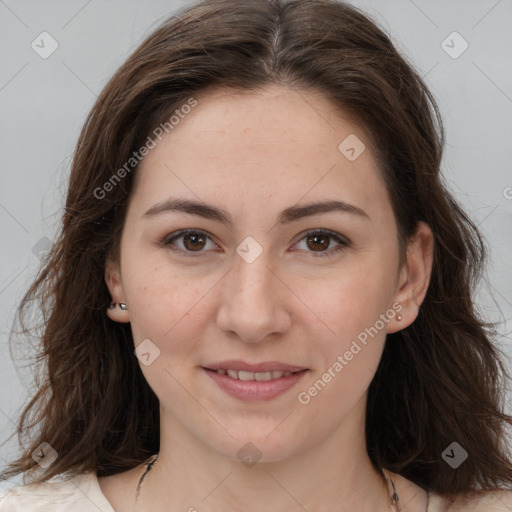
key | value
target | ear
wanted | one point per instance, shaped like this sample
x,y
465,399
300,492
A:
x,y
414,277
115,287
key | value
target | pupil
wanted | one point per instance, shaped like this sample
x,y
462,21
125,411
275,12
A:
x,y
316,237
194,239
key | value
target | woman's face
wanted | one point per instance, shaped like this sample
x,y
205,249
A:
x,y
260,279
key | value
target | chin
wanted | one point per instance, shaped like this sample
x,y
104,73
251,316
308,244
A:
x,y
251,446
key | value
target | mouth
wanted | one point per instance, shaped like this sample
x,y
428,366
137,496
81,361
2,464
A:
x,y
254,382
247,376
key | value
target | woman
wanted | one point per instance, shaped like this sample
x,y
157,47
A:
x,y
261,295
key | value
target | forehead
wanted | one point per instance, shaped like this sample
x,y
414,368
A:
x,y
264,122
275,142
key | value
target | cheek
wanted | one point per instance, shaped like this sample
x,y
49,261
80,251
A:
x,y
169,311
349,304
166,305
348,355
350,333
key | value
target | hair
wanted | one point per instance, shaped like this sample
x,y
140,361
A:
x,y
440,380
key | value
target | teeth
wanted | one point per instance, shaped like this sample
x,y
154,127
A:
x,y
246,375
259,376
233,374
264,376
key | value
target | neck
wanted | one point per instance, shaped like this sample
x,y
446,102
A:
x,y
191,476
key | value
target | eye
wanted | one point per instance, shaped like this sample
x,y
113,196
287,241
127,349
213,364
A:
x,y
319,239
194,241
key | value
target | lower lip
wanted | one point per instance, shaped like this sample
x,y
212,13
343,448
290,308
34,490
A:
x,y
252,389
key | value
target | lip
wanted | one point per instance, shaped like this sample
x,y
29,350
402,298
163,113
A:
x,y
267,366
253,390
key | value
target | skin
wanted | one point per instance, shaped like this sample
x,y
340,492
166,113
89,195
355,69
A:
x,y
253,154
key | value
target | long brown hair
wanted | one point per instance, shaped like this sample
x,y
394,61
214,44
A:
x,y
440,380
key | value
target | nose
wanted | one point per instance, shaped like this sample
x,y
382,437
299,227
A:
x,y
254,301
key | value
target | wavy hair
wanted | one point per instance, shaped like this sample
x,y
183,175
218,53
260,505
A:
x,y
440,380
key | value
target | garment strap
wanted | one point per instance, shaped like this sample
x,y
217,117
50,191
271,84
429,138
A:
x,y
149,464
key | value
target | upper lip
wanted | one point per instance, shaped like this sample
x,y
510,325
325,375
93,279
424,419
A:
x,y
267,366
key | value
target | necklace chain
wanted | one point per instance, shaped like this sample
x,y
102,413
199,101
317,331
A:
x,y
151,461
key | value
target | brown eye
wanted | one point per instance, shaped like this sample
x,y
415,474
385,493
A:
x,y
190,242
319,241
194,242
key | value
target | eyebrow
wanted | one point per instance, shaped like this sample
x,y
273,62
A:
x,y
291,214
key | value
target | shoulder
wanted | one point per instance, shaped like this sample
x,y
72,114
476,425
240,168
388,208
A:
x,y
477,501
414,498
80,493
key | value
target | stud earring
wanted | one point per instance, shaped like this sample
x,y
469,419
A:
x,y
399,317
113,305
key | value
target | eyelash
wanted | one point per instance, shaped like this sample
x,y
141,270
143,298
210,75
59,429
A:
x,y
344,243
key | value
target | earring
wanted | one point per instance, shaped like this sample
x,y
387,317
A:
x,y
113,305
399,317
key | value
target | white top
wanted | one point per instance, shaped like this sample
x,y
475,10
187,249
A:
x,y
82,493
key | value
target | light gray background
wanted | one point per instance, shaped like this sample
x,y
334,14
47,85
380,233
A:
x,y
44,102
